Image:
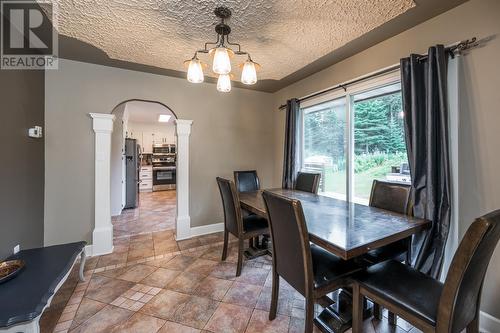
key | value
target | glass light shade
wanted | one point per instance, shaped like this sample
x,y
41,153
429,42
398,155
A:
x,y
195,71
222,63
249,74
224,83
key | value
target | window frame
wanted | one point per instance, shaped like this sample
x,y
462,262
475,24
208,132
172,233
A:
x,y
349,92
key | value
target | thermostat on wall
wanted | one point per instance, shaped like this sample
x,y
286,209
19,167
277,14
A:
x,y
35,132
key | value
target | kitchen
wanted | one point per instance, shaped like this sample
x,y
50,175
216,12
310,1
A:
x,y
148,171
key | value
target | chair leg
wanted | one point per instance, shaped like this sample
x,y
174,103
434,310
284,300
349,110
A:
x,y
392,318
357,309
224,247
240,257
377,311
309,321
473,326
250,242
408,251
274,296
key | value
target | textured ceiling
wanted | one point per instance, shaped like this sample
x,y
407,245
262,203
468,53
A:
x,y
282,35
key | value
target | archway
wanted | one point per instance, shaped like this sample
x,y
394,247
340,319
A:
x,y
103,128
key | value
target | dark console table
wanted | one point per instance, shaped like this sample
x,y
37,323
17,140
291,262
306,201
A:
x,y
25,297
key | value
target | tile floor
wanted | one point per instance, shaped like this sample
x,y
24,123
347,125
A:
x,y
156,212
151,283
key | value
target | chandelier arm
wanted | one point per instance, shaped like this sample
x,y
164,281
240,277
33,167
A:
x,y
235,44
211,43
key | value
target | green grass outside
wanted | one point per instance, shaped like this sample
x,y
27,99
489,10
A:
x,y
335,181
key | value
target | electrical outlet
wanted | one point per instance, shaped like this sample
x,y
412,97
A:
x,y
17,248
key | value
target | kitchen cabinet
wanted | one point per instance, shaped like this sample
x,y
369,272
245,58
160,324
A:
x,y
146,178
160,138
147,142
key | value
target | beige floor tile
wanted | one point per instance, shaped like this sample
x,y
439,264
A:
x,y
224,270
195,312
260,323
104,320
165,304
243,294
106,290
171,327
186,282
139,323
202,266
253,275
87,309
179,263
213,288
160,278
136,273
229,318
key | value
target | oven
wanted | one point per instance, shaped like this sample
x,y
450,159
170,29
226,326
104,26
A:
x,y
164,178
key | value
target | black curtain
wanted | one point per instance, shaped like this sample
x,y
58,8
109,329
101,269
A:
x,y
425,103
290,167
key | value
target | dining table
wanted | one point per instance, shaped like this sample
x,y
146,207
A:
x,y
347,229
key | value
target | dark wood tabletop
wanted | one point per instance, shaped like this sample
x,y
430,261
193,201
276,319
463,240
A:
x,y
346,229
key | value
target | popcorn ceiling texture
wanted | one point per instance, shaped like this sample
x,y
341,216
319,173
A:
x,y
282,35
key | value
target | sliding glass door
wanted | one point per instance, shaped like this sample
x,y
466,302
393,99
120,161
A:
x,y
354,137
324,145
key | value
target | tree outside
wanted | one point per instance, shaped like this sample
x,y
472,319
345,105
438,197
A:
x,y
379,143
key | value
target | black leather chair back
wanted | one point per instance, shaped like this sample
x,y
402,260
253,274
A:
x,y
390,196
461,296
308,182
290,240
246,181
230,203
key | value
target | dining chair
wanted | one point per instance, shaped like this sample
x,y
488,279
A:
x,y
247,227
310,269
246,181
308,182
394,197
426,303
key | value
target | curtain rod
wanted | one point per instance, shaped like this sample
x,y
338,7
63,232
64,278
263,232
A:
x,y
453,49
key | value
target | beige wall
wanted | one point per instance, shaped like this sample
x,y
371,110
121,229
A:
x,y
230,131
479,167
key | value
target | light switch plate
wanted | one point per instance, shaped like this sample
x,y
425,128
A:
x,y
35,132
17,248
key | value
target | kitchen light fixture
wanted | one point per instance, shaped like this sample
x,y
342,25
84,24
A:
x,y
222,55
164,118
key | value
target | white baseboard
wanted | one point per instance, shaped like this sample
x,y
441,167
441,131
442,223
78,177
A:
x,y
207,229
488,323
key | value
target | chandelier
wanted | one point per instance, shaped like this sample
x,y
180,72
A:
x,y
222,54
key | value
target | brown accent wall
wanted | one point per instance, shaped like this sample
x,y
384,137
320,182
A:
x,y
22,160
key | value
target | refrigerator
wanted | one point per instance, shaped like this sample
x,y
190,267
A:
x,y
132,167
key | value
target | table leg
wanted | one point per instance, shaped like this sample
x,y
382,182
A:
x,y
337,318
256,250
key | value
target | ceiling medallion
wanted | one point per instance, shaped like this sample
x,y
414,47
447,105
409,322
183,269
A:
x,y
221,53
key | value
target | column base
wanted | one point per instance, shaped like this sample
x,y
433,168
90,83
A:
x,y
102,241
183,228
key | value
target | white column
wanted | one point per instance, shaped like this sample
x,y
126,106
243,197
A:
x,y
183,130
102,237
